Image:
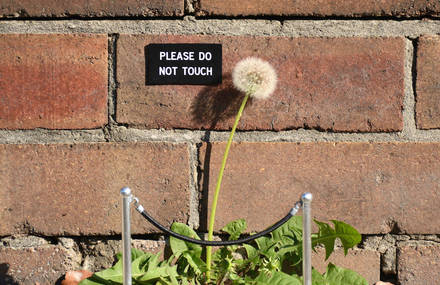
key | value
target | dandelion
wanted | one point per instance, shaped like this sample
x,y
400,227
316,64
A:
x,y
256,78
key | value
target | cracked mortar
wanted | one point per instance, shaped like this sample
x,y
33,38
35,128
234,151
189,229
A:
x,y
387,247
100,254
74,256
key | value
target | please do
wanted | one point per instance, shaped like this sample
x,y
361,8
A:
x,y
185,56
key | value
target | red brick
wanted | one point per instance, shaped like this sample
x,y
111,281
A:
x,y
87,8
376,187
419,264
347,8
44,265
341,84
364,262
63,189
428,87
53,81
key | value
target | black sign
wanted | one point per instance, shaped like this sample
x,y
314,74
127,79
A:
x,y
181,64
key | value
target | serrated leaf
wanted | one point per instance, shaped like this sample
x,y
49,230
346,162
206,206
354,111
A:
x,y
197,264
179,246
341,276
136,253
290,232
140,265
95,280
265,244
156,271
113,275
108,276
317,278
251,251
235,228
348,235
278,278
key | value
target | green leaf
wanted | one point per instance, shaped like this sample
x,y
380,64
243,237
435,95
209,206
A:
x,y
149,269
251,251
139,265
265,244
111,275
197,264
95,280
348,235
114,274
290,232
284,240
341,276
317,278
179,246
278,278
235,228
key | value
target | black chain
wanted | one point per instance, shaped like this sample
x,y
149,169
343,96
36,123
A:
x,y
278,224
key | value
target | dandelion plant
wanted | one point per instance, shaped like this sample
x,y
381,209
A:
x,y
256,78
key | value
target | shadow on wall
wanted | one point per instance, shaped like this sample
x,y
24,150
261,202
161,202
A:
x,y
5,279
213,105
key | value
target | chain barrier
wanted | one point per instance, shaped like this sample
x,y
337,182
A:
x,y
128,198
278,224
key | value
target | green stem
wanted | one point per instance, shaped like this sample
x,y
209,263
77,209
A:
x,y
217,187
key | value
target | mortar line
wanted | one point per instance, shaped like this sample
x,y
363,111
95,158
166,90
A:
x,y
111,90
258,27
122,134
409,124
194,197
196,9
112,80
44,136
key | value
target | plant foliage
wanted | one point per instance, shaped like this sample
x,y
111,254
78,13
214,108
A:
x,y
274,259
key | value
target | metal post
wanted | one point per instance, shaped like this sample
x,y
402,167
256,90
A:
x,y
306,199
126,235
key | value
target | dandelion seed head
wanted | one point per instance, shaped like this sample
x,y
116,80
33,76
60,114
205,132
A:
x,y
255,76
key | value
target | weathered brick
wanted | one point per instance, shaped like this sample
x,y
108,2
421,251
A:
x,y
419,264
53,81
60,189
45,265
428,86
364,262
350,8
340,84
86,8
376,187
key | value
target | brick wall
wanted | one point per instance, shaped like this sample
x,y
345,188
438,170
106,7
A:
x,y
355,120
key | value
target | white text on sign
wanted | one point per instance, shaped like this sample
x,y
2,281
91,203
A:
x,y
185,55
187,70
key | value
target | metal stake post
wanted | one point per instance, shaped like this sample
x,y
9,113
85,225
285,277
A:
x,y
126,235
307,238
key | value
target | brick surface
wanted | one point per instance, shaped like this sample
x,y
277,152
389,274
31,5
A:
x,y
53,81
342,84
428,86
376,187
86,8
44,265
419,264
74,189
364,262
350,8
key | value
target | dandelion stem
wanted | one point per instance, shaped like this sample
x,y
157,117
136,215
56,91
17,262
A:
x,y
219,182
